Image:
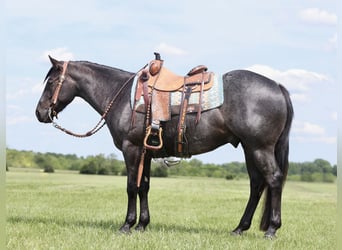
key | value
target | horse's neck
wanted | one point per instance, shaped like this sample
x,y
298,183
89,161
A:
x,y
99,90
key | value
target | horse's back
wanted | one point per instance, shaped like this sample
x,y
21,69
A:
x,y
243,79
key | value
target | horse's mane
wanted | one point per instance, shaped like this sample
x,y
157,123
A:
x,y
98,67
101,67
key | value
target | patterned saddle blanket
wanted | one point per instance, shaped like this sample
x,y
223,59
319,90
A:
x,y
211,98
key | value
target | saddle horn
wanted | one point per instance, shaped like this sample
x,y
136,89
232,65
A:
x,y
157,55
156,64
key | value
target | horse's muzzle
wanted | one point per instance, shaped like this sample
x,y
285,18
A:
x,y
43,115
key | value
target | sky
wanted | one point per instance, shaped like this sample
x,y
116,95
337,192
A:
x,y
292,42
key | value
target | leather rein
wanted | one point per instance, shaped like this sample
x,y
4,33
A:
x,y
52,113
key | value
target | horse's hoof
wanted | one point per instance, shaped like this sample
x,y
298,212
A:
x,y
140,228
269,236
236,233
270,233
124,229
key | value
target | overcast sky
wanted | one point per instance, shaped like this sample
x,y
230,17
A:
x,y
292,42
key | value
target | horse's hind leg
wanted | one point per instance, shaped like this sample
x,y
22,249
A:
x,y
266,163
257,185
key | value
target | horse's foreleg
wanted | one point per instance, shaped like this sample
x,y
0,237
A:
x,y
257,185
131,216
144,218
132,156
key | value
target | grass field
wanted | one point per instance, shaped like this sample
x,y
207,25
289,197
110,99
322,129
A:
x,y
72,211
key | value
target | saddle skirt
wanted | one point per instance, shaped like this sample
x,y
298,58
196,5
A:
x,y
169,88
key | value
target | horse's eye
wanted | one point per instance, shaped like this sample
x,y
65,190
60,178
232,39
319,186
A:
x,y
51,81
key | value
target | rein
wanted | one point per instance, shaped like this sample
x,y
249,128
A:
x,y
52,113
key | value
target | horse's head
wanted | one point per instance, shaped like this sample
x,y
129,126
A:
x,y
59,91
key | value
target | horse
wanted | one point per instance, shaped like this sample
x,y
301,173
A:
x,y
257,113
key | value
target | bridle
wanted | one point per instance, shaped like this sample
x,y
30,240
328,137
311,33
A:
x,y
52,113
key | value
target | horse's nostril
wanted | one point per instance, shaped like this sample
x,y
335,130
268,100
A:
x,y
38,115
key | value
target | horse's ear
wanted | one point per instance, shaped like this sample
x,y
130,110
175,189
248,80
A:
x,y
54,62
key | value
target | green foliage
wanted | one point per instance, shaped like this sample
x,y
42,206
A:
x,y
334,170
230,176
89,168
318,177
195,167
319,170
49,169
158,170
101,165
20,159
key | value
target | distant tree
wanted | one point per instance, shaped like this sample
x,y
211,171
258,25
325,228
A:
x,y
317,170
323,165
306,176
75,164
40,160
49,169
329,177
124,172
103,171
295,168
195,163
159,171
45,162
230,176
334,171
89,168
19,159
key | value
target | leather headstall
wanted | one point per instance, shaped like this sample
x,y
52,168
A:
x,y
58,89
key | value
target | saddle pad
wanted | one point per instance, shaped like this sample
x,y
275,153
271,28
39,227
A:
x,y
211,98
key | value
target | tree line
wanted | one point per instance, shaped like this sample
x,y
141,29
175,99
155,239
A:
x,y
319,170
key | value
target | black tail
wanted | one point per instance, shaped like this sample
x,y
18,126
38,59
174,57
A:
x,y
282,157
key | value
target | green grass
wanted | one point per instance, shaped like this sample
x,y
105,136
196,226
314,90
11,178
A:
x,y
71,211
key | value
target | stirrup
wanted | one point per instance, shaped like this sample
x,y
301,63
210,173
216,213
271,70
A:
x,y
153,141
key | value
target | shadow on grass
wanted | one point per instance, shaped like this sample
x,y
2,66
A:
x,y
114,226
197,229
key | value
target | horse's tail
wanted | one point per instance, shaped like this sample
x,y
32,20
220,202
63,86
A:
x,y
282,157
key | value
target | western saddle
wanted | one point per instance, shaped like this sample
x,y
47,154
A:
x,y
155,83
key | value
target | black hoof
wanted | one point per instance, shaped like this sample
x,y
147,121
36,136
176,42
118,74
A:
x,y
236,232
140,228
124,229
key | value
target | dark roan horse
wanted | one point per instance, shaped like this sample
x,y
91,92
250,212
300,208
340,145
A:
x,y
257,113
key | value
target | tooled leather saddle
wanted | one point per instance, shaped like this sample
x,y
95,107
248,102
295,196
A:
x,y
155,85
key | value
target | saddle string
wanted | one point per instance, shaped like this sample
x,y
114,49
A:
x,y
101,122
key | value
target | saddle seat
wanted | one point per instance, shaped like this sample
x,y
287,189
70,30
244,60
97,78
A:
x,y
168,81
